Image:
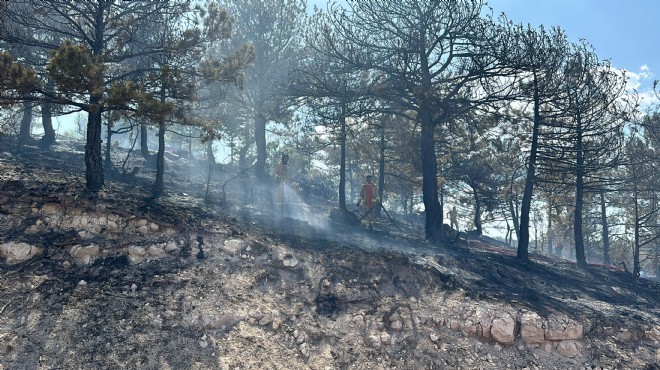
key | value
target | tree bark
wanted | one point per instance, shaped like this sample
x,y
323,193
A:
x,y
342,161
429,182
108,146
381,168
260,139
523,241
579,199
606,230
477,211
636,246
550,231
160,160
514,217
93,152
144,143
47,121
24,135
210,157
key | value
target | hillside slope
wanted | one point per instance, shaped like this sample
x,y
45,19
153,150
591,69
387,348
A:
x,y
116,280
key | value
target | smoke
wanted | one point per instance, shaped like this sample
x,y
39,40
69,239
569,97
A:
x,y
290,204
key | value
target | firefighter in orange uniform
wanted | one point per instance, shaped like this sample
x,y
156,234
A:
x,y
369,199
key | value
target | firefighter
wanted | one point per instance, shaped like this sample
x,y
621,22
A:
x,y
282,170
369,199
453,218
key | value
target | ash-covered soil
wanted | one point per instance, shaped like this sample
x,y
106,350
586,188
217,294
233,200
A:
x,y
222,285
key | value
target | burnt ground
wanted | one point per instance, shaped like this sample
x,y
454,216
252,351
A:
x,y
164,313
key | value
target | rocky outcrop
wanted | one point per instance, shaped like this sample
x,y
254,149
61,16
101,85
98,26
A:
x,y
18,252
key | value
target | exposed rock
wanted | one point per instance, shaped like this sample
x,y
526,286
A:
x,y
570,348
155,251
396,325
171,246
136,254
385,338
18,252
85,255
653,334
233,246
562,328
290,261
112,225
531,328
625,336
502,329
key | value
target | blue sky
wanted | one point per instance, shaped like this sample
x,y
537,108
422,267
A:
x,y
626,32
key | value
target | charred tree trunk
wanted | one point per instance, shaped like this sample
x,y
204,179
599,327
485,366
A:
x,y
210,157
636,246
514,218
477,210
550,231
606,230
579,199
381,169
523,234
342,161
47,121
24,135
429,183
433,226
93,152
656,262
160,160
144,143
108,146
160,156
260,139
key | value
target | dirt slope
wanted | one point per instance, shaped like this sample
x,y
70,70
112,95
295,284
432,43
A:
x,y
114,280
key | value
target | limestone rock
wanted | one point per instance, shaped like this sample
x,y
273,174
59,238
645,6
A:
x,y
290,261
233,246
85,255
653,334
531,328
502,329
18,252
136,254
155,251
112,225
563,328
569,348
